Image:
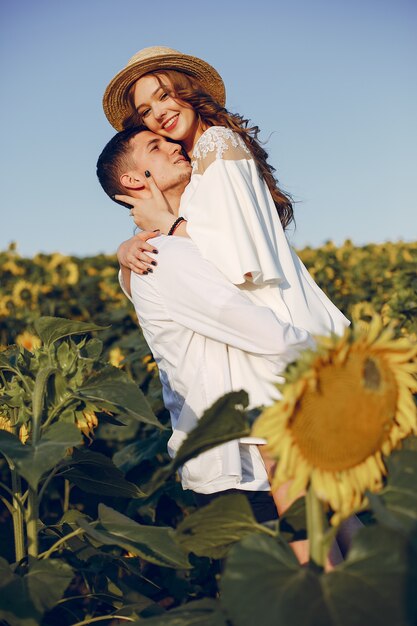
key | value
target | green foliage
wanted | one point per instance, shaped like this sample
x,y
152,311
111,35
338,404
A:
x,y
25,598
264,584
211,530
34,460
95,521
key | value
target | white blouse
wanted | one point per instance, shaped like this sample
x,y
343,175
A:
x,y
233,220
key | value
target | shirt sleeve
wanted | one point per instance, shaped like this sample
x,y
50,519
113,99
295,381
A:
x,y
199,297
123,286
231,215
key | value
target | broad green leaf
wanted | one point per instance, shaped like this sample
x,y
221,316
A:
x,y
24,600
152,543
205,612
33,461
142,450
95,473
113,388
396,504
50,329
223,421
263,584
211,530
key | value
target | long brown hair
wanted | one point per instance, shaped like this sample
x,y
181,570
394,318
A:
x,y
210,113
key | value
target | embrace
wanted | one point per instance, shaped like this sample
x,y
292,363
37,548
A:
x,y
223,300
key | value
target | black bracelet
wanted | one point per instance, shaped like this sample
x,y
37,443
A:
x,y
175,224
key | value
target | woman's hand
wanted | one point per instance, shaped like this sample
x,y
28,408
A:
x,y
131,253
153,212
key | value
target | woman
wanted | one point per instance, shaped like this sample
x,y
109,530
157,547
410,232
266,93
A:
x,y
234,210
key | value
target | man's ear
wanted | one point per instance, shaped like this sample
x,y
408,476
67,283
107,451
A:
x,y
133,181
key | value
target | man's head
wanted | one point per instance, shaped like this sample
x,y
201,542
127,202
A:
x,y
122,164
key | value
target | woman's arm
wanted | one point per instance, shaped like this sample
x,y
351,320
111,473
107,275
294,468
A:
x,y
131,253
231,215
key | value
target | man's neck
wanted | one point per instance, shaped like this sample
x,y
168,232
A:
x,y
173,197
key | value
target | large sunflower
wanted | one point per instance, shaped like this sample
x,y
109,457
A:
x,y
343,407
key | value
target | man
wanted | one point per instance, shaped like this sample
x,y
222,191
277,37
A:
x,y
206,336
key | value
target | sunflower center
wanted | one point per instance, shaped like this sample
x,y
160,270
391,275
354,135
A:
x,y
349,415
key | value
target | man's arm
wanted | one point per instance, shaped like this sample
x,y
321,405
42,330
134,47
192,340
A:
x,y
198,296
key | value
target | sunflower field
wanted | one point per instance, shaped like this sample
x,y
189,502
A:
x,y
94,524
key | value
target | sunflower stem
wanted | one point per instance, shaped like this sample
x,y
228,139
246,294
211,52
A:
x,y
316,528
17,516
32,513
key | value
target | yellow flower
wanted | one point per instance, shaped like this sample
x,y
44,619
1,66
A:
x,y
343,407
86,421
25,294
23,433
7,306
116,356
12,267
6,424
28,341
151,366
64,271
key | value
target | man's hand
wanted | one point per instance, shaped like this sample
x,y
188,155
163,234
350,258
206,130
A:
x,y
153,212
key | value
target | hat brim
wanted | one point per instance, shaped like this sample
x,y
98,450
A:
x,y
115,102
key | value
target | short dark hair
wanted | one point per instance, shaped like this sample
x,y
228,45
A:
x,y
114,159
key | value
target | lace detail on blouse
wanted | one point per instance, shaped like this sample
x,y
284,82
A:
x,y
218,142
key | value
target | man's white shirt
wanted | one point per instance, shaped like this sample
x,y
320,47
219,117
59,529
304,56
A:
x,y
208,338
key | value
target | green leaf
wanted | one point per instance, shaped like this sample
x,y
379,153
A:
x,y
143,450
24,600
95,473
92,349
152,543
396,504
50,329
293,523
205,612
33,461
224,421
38,398
263,584
113,388
211,530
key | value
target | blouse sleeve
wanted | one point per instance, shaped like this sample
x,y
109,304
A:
x,y
231,215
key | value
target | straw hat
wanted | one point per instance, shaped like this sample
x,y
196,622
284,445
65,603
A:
x,y
151,59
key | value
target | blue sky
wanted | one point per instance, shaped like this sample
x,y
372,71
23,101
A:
x,y
331,84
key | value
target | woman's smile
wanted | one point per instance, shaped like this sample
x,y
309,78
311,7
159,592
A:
x,y
171,122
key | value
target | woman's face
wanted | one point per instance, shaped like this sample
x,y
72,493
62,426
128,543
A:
x,y
161,113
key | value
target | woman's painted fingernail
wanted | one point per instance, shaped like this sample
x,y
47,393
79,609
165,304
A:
x,y
150,270
154,263
155,251
144,273
147,173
